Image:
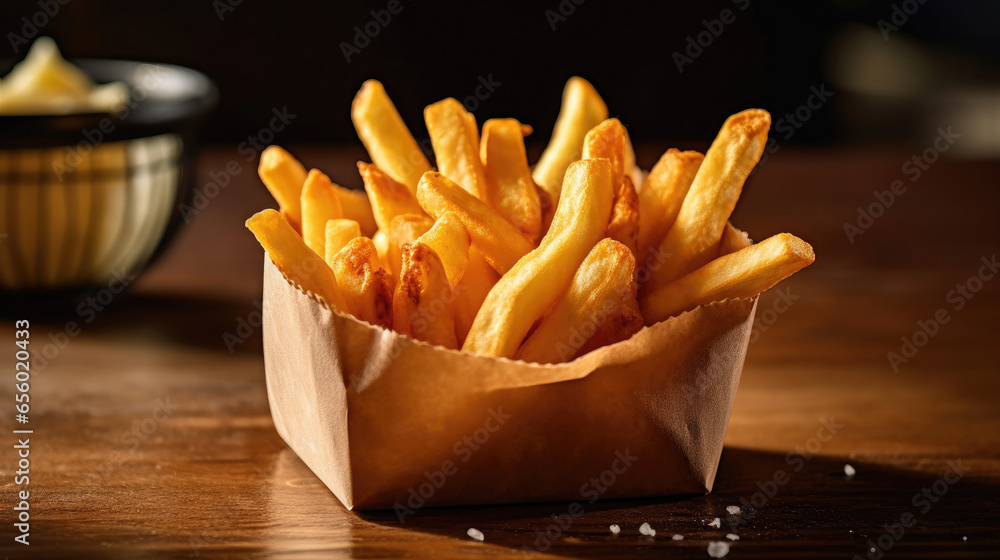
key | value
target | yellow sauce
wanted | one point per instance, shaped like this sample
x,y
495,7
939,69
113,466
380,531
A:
x,y
44,83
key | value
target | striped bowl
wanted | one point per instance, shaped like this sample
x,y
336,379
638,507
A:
x,y
88,198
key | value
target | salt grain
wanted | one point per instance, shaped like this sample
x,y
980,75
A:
x,y
718,549
717,523
476,534
645,529
678,537
965,538
849,471
733,510
733,537
615,529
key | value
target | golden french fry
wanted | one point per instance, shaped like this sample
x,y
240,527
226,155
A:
x,y
388,198
455,138
607,140
622,322
405,229
597,291
630,166
356,207
624,224
499,241
423,306
742,274
283,176
538,280
381,241
292,220
663,193
293,258
363,284
548,209
385,136
509,186
471,291
582,109
338,234
319,205
692,240
450,240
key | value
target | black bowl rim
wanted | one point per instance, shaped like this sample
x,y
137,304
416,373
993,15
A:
x,y
147,117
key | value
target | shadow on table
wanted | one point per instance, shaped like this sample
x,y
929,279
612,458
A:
x,y
206,324
817,507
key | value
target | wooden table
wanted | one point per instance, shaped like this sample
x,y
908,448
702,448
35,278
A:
x,y
151,438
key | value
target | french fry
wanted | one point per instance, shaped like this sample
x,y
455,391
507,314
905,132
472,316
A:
x,y
500,242
283,176
663,193
607,140
450,240
630,166
338,234
624,224
622,322
320,204
294,258
388,198
692,239
509,186
356,207
405,229
423,305
389,143
363,284
471,291
610,140
381,241
548,208
742,274
596,292
537,281
582,109
455,138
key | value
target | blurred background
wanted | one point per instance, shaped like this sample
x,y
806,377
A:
x,y
862,94
889,72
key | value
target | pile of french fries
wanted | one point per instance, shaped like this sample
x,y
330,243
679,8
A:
x,y
491,256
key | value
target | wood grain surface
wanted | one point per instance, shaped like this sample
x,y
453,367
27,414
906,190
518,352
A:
x,y
152,435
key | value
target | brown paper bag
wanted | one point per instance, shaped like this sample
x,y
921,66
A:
x,y
389,422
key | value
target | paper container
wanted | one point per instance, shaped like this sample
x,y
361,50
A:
x,y
388,422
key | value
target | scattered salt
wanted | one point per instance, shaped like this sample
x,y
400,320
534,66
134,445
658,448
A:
x,y
717,523
849,471
615,529
718,549
678,537
733,537
476,534
733,510
645,529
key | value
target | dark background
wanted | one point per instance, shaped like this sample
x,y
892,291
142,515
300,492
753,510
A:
x,y
265,54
